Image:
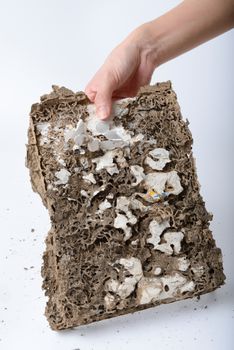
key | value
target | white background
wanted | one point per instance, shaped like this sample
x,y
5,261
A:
x,y
64,42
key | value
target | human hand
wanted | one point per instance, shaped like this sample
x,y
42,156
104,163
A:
x,y
131,64
128,67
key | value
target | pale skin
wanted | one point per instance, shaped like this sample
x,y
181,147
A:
x,y
131,64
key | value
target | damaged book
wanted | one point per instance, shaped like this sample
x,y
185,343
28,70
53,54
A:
x,y
129,228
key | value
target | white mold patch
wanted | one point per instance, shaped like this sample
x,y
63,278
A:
x,y
157,158
158,182
62,176
172,240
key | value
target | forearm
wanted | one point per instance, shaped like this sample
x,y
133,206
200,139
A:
x,y
132,63
186,26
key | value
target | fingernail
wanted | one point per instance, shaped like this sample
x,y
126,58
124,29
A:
x,y
102,112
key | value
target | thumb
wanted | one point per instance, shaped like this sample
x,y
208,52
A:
x,y
103,99
103,104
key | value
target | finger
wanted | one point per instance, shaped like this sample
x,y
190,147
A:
x,y
103,102
103,98
90,93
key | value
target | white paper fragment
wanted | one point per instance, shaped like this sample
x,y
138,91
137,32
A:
x,y
62,176
136,204
138,172
121,134
176,284
183,263
77,134
187,287
159,288
137,138
61,161
94,124
157,271
172,239
124,220
106,162
51,187
43,128
121,221
158,181
108,145
84,193
124,289
134,243
118,107
133,265
198,270
100,189
106,128
112,285
148,290
157,158
77,169
116,136
93,145
172,244
156,229
112,169
90,178
109,300
104,205
122,203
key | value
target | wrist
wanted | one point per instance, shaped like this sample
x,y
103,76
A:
x,y
148,42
